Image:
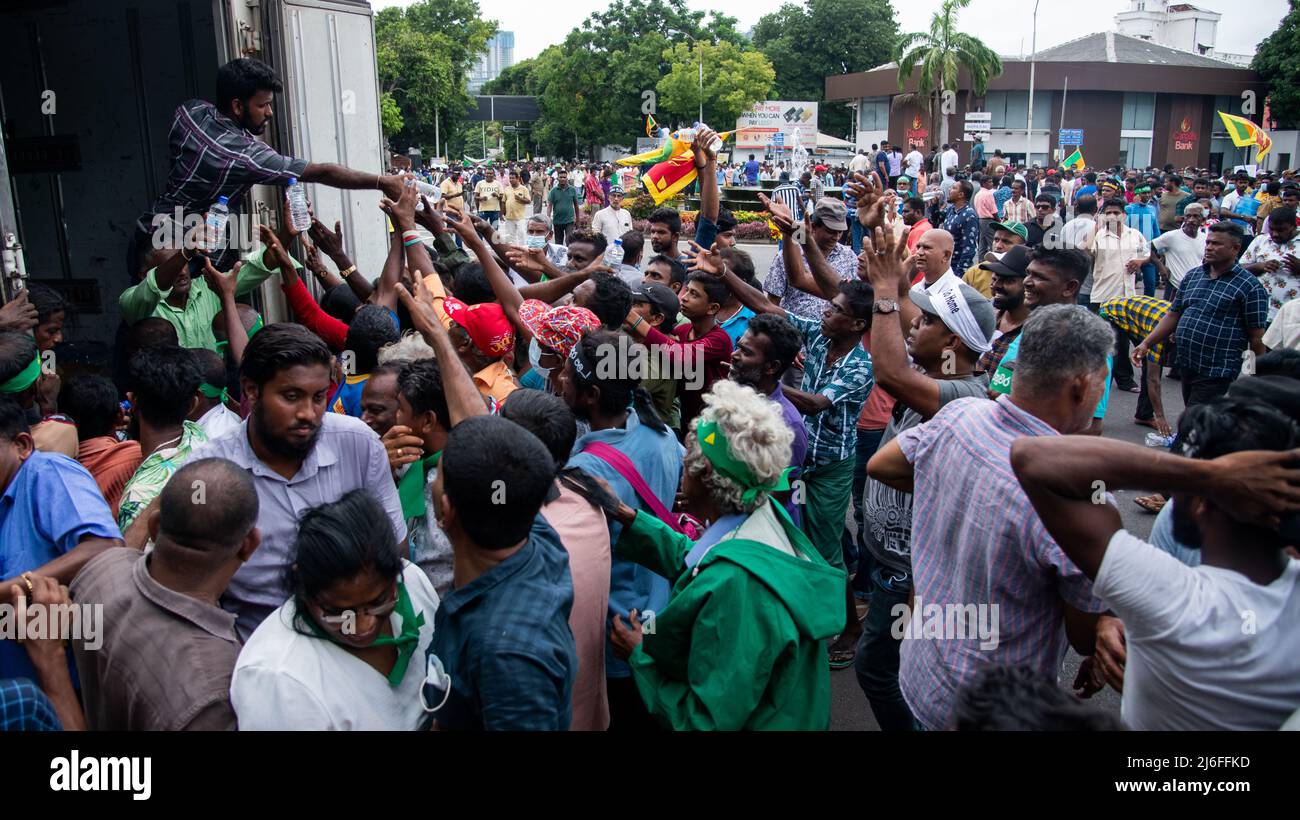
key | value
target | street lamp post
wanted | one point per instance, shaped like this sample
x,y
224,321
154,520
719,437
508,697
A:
x,y
1033,51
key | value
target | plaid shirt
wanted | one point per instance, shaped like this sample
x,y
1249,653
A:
x,y
991,358
25,708
797,302
1137,316
832,433
1003,556
1216,315
214,156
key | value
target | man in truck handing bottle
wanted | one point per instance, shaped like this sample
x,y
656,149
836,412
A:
x,y
215,152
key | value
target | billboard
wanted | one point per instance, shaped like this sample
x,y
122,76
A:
x,y
757,128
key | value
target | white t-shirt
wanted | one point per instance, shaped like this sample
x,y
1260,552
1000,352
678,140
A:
x,y
287,680
1181,252
859,163
219,421
1207,648
948,159
914,160
613,224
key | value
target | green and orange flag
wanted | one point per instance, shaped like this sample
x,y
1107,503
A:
x,y
1244,132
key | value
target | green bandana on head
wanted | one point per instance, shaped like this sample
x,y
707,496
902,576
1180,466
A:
x,y
25,378
713,444
252,331
406,642
213,392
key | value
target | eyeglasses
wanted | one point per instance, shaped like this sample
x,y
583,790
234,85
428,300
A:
x,y
348,615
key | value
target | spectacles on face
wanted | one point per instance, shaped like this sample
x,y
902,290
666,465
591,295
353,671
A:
x,y
344,616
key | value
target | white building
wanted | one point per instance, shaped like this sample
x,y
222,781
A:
x,y
1177,25
499,56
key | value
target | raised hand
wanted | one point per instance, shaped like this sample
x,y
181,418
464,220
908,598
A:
x,y
781,214
881,259
530,260
18,314
330,242
222,284
275,252
708,261
700,146
870,196
430,218
402,211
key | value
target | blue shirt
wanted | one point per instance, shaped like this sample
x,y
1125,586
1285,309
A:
x,y
1000,196
1215,318
1013,351
49,506
504,639
832,433
25,708
1144,218
738,324
751,171
964,225
658,457
347,398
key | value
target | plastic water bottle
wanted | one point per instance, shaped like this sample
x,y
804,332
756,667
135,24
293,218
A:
x,y
214,235
614,254
433,192
298,206
715,144
1157,440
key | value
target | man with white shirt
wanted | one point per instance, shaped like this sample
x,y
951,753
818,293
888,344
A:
x,y
210,411
614,220
859,164
1211,647
948,159
912,167
1118,252
1178,251
1275,258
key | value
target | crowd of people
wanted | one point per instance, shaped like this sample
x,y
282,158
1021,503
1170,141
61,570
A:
x,y
529,476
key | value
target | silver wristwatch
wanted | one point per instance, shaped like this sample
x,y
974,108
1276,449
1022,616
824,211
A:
x,y
885,306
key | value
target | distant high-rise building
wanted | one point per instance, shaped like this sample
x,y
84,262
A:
x,y
499,56
1177,25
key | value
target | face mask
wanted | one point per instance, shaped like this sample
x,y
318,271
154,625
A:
x,y
534,242
535,359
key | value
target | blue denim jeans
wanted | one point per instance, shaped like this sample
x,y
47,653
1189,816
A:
x,y
856,235
876,661
1150,279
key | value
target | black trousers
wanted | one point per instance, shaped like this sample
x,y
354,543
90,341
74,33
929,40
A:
x,y
1123,367
562,233
1198,389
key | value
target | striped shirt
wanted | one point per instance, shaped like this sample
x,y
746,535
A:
x,y
832,433
212,156
1002,557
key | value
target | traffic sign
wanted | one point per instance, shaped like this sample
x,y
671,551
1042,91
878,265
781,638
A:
x,y
1070,136
778,140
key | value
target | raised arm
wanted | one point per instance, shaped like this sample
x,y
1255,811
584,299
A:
x,y
331,244
1064,475
223,284
341,176
463,398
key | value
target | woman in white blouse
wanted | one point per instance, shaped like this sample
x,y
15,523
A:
x,y
347,650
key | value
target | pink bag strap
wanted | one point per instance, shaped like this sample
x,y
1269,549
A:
x,y
623,465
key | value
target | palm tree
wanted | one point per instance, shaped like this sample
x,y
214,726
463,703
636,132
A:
x,y
940,53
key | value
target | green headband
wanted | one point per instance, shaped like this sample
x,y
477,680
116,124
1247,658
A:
x,y
213,392
252,331
713,444
25,378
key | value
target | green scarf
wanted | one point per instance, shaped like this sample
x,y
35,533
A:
x,y
25,378
406,642
214,392
713,444
410,490
252,331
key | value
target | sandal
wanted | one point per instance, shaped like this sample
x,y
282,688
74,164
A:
x,y
841,658
1151,503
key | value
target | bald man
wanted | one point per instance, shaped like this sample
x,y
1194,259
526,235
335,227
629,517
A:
x,y
168,649
933,256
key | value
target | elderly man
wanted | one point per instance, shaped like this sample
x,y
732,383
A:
x,y
1007,592
613,220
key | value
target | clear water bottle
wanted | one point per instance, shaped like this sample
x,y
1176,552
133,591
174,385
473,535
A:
x,y
1157,440
214,233
614,254
715,144
298,206
432,192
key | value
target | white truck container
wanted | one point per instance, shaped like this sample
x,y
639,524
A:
x,y
87,91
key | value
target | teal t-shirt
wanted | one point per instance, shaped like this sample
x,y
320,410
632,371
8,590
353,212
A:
x,y
563,202
1000,381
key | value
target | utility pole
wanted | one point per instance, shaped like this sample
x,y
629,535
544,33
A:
x,y
1029,126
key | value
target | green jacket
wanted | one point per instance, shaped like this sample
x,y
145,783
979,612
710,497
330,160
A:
x,y
740,644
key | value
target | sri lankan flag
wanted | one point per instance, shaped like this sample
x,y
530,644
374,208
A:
x,y
666,179
650,125
1244,132
1074,160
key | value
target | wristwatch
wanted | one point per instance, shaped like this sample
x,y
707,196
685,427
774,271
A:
x,y
885,306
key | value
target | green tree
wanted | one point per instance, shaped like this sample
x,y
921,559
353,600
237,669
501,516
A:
x,y
390,114
1278,64
810,42
734,79
424,52
941,53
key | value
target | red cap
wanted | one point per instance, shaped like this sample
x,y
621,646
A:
x,y
486,324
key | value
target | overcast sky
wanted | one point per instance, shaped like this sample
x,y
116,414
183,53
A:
x,y
1005,25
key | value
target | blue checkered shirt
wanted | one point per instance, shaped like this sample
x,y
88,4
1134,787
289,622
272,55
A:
x,y
1216,317
25,708
832,433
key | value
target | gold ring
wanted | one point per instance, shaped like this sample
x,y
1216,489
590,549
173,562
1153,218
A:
x,y
27,578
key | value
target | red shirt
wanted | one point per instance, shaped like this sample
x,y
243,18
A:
x,y
683,354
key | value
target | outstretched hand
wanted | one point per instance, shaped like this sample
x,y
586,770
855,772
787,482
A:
x,y
870,195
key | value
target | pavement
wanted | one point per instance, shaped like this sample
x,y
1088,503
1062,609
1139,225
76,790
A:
x,y
849,708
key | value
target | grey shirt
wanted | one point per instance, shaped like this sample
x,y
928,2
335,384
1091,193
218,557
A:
x,y
166,658
347,456
887,512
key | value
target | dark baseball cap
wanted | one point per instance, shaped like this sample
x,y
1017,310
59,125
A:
x,y
659,297
1015,262
832,213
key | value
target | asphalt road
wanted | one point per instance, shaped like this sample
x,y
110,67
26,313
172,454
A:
x,y
849,708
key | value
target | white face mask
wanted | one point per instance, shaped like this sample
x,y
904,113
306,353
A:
x,y
533,242
535,359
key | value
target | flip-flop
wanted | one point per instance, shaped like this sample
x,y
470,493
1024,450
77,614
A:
x,y
841,658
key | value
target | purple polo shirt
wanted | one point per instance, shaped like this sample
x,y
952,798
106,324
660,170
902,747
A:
x,y
793,419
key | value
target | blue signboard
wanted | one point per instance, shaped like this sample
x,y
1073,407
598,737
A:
x,y
1070,136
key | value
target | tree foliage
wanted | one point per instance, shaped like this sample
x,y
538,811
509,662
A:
x,y
734,80
424,53
1278,63
940,54
810,42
